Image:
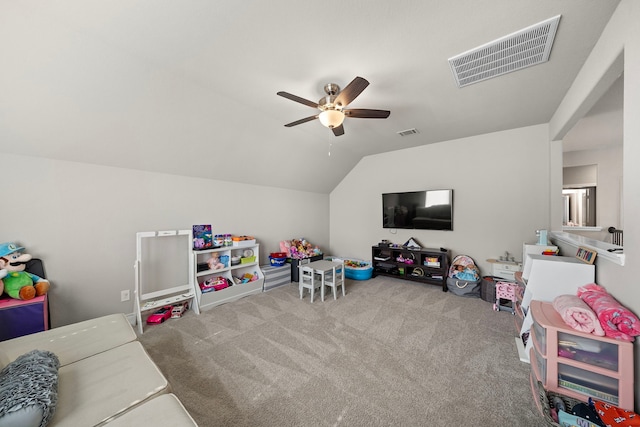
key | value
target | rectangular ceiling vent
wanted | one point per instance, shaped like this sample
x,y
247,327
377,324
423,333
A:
x,y
524,48
408,132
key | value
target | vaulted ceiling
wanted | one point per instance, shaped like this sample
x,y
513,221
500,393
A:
x,y
189,87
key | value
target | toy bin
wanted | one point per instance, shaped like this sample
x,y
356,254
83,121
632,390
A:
x,y
277,262
355,269
275,276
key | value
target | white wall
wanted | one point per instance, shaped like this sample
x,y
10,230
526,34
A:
x,y
82,221
501,194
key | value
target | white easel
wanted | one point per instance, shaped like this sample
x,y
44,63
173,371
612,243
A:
x,y
163,271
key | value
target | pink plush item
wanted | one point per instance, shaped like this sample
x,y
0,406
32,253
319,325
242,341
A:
x,y
284,247
577,314
616,320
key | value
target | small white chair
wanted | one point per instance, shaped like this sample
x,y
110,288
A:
x,y
307,280
334,279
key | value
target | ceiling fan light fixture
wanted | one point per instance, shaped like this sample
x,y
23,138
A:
x,y
331,118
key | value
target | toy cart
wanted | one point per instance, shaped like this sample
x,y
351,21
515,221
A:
x,y
506,294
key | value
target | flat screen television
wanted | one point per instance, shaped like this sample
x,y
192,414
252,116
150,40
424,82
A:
x,y
424,210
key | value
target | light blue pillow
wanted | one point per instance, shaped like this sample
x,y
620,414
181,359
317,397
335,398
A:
x,y
29,390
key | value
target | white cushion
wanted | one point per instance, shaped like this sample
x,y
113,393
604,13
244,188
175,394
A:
x,y
165,410
96,389
72,342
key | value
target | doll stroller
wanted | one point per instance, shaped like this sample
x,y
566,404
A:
x,y
506,297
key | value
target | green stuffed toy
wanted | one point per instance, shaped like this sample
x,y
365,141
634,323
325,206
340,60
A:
x,y
19,284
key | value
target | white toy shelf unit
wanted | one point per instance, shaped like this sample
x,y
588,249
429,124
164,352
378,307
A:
x,y
163,271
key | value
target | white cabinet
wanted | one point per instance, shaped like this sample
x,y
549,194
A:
x,y
532,249
505,269
248,265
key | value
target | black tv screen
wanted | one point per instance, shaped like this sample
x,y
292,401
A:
x,y
424,210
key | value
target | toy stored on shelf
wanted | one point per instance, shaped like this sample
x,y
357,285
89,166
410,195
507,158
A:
x,y
213,284
243,241
178,309
248,277
299,248
214,262
18,283
202,238
160,315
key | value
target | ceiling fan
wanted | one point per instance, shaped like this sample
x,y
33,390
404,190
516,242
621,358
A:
x,y
332,106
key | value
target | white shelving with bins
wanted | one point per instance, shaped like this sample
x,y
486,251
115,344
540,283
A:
x,y
249,255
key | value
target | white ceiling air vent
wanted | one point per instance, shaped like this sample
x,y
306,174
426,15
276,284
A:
x,y
524,48
408,132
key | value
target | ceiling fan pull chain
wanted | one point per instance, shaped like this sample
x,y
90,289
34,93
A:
x,y
330,144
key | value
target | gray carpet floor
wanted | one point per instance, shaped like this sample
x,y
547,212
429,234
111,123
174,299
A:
x,y
389,353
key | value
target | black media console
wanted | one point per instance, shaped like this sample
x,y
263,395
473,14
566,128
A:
x,y
421,265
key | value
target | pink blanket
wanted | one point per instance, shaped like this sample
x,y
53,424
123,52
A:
x,y
616,320
577,314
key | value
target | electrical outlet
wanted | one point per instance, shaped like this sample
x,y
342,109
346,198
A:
x,y
124,295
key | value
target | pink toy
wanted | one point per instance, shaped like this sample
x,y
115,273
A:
x,y
505,291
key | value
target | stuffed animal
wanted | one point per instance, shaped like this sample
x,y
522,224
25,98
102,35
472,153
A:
x,y
19,284
214,262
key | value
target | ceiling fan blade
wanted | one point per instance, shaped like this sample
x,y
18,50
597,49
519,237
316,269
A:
x,y
352,90
365,113
299,122
298,99
338,131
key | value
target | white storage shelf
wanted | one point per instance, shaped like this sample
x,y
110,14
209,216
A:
x,y
213,298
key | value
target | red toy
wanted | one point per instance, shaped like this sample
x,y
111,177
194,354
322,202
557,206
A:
x,y
160,315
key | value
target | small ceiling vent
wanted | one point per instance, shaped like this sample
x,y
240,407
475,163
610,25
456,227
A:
x,y
408,132
524,48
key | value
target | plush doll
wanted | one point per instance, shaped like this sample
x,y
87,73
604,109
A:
x,y
19,284
285,246
214,262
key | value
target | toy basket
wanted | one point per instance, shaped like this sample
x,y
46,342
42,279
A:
x,y
247,260
545,402
277,262
357,269
278,255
